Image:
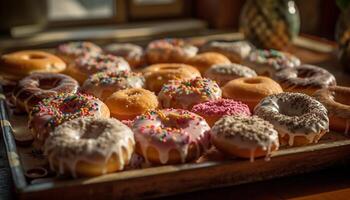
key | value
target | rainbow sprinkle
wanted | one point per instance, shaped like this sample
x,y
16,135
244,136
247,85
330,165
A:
x,y
65,107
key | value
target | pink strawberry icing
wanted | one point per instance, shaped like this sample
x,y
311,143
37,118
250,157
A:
x,y
222,107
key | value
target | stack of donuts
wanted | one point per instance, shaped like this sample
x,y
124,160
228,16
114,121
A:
x,y
96,110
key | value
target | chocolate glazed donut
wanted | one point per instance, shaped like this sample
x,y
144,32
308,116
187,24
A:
x,y
38,86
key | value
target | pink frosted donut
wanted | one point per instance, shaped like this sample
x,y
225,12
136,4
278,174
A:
x,y
212,111
72,50
170,136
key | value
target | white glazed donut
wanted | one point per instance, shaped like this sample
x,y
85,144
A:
x,y
90,146
170,136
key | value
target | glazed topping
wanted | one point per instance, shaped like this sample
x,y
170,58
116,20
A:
x,y
294,113
79,48
120,79
251,131
190,92
232,69
242,48
89,139
274,58
173,44
170,129
64,107
305,75
222,107
101,62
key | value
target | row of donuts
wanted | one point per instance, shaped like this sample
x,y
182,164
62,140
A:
x,y
185,93
285,68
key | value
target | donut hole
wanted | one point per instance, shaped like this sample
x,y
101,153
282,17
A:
x,y
305,73
170,68
288,110
252,81
47,84
93,131
35,57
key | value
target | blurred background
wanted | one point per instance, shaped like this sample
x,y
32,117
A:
x,y
42,21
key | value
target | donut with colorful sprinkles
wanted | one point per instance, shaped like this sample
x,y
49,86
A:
x,y
104,84
86,65
69,51
170,136
185,94
268,62
53,111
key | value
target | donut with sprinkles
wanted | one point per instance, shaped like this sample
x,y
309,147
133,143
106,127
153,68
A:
x,y
53,111
170,136
104,84
87,65
186,93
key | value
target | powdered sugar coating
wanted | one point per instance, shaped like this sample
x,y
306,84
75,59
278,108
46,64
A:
x,y
222,107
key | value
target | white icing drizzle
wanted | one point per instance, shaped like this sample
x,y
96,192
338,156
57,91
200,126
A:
x,y
150,131
294,114
89,139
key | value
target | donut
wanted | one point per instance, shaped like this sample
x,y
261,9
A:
x,y
336,101
223,73
38,86
250,90
298,118
127,104
159,74
17,65
53,111
89,146
171,50
187,93
204,61
130,52
72,50
235,51
244,136
170,136
104,84
304,79
268,62
86,65
213,110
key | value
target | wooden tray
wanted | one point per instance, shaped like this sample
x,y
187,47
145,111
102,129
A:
x,y
210,171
